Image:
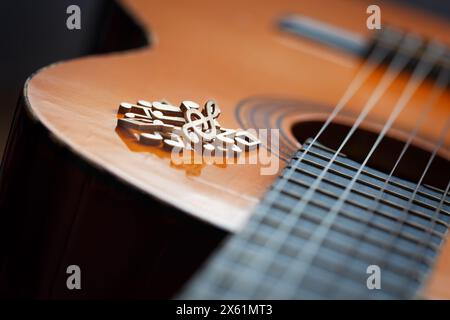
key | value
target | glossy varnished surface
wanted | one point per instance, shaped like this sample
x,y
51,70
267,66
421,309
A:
x,y
227,51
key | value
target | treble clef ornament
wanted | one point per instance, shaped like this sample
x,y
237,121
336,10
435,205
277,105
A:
x,y
201,126
160,123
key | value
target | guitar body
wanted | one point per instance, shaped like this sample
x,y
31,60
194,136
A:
x,y
77,190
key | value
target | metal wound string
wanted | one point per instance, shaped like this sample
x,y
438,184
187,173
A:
x,y
395,67
436,213
405,210
420,73
373,62
437,91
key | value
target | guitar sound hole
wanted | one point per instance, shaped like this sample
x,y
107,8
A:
x,y
411,167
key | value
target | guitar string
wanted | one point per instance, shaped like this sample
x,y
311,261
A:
x,y
376,57
394,68
438,89
312,247
441,140
372,63
436,213
396,65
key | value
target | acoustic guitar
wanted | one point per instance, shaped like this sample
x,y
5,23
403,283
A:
x,y
356,203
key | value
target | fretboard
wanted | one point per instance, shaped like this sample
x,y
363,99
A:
x,y
284,254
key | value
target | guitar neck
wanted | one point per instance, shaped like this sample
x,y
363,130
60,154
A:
x,y
295,248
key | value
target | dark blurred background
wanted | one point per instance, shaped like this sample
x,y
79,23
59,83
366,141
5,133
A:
x,y
34,34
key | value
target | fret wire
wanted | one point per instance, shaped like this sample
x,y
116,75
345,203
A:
x,y
333,289
372,175
356,204
354,275
366,183
339,227
326,227
437,212
371,240
319,268
321,278
250,275
377,225
364,256
397,65
356,250
350,278
437,91
381,179
258,253
371,197
376,57
397,218
442,137
344,213
390,266
387,202
369,184
311,249
380,227
437,190
368,170
308,265
231,290
304,233
249,278
261,228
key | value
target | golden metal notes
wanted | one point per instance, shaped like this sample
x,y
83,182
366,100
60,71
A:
x,y
185,127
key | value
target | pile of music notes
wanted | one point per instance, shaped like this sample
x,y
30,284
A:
x,y
185,127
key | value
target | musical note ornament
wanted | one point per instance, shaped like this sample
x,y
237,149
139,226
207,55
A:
x,y
186,127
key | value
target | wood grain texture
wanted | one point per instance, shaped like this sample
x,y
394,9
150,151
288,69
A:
x,y
227,51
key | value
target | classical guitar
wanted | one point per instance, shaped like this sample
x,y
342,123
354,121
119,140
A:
x,y
348,196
